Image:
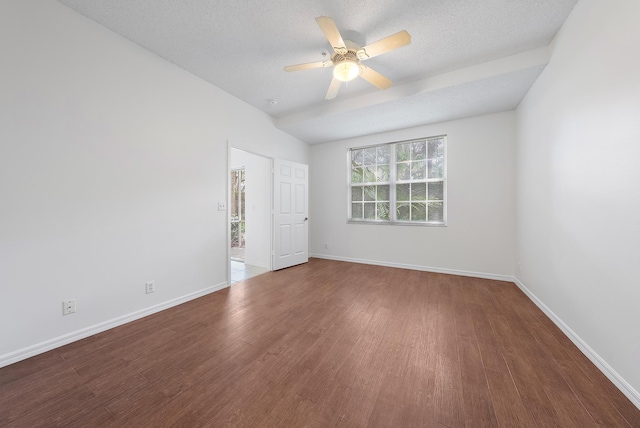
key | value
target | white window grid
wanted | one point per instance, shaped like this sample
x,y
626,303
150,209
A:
x,y
379,174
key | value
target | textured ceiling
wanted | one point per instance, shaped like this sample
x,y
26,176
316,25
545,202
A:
x,y
466,57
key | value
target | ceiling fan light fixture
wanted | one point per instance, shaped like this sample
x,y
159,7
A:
x,y
347,55
346,71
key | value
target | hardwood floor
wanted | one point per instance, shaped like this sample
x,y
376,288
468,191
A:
x,y
325,344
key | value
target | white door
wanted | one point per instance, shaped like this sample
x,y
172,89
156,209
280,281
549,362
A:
x,y
290,214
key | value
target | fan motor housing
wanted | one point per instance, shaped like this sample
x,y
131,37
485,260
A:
x,y
349,56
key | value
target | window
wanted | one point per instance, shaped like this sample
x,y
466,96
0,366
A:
x,y
399,183
237,208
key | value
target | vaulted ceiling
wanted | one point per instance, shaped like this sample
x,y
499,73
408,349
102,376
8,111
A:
x,y
466,57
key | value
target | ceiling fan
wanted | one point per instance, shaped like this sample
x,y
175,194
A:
x,y
347,57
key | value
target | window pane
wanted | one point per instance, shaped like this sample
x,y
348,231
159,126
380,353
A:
x,y
356,193
436,149
418,211
369,174
436,211
370,156
436,169
402,192
383,193
356,175
418,191
402,171
399,181
383,211
418,150
436,190
369,210
418,170
356,157
369,193
383,155
403,152
356,211
383,173
402,212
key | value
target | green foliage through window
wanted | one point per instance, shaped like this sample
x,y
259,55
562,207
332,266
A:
x,y
401,182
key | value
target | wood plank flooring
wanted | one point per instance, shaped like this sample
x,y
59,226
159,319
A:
x,y
325,344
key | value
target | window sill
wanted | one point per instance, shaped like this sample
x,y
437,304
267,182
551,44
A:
x,y
397,223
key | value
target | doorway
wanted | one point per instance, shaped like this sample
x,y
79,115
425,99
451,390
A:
x,y
249,215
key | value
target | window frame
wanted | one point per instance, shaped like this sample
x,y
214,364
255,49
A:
x,y
393,182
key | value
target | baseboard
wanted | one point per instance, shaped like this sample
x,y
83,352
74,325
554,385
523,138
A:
x,y
483,275
260,265
30,351
600,363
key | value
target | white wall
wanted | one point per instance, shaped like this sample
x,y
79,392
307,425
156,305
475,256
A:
x,y
258,206
112,162
578,187
480,235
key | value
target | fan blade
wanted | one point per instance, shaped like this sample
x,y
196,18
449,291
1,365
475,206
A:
x,y
332,34
308,65
392,42
375,78
333,89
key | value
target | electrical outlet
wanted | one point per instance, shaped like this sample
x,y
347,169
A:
x,y
222,206
326,246
150,287
68,307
